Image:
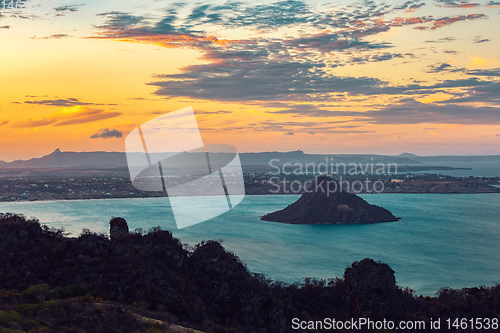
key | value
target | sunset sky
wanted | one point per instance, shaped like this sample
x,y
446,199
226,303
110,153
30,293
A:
x,y
319,76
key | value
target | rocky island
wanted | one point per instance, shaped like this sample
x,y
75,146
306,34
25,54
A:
x,y
322,205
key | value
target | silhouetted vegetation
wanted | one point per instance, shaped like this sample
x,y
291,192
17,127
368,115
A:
x,y
52,283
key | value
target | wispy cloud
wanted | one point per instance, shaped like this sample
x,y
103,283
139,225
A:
x,y
70,116
458,4
444,67
411,6
59,102
64,10
479,39
485,72
420,113
54,36
439,23
67,102
220,112
327,42
489,94
106,133
411,112
441,40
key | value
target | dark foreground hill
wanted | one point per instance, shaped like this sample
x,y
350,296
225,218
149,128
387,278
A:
x,y
325,202
51,283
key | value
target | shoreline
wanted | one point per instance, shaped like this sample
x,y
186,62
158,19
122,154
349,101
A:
x,y
261,194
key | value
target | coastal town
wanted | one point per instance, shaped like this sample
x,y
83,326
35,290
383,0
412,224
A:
x,y
37,188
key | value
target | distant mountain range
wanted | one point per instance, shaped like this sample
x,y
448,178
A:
x,y
108,160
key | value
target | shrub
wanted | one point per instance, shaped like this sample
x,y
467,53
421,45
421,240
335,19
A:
x,y
7,317
74,290
39,293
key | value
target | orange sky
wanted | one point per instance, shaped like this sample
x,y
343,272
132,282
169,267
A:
x,y
323,78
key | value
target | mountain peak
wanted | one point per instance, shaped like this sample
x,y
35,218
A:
x,y
57,151
408,155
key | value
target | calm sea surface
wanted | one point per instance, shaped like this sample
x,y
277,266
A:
x,y
442,240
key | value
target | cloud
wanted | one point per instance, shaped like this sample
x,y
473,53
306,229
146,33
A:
x,y
265,67
419,113
54,36
458,4
272,15
253,80
377,57
485,72
70,116
489,93
117,20
175,30
214,112
439,23
440,68
283,79
66,9
411,6
441,40
310,127
327,42
107,133
4,122
417,89
165,32
61,102
309,110
444,67
5,27
410,112
478,40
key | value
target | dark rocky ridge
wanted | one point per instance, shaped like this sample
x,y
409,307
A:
x,y
204,287
325,202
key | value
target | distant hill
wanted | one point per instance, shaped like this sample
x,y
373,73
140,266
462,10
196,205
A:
x,y
59,159
457,158
104,160
108,160
408,155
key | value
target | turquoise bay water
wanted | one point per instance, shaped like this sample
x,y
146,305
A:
x,y
442,240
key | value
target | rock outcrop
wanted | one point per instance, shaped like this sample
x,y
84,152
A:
x,y
325,202
118,228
